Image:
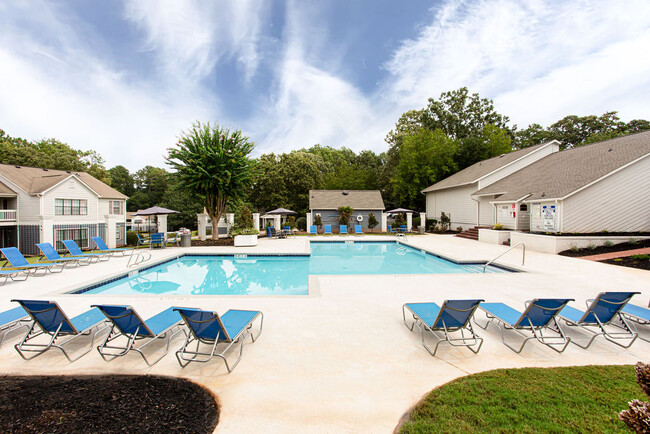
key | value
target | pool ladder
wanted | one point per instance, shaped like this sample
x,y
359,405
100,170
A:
x,y
523,255
138,258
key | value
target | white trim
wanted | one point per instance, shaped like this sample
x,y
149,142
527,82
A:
x,y
605,176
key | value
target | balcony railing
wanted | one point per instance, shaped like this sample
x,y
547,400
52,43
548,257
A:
x,y
8,215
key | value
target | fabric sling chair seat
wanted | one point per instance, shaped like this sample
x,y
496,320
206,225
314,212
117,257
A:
x,y
313,230
13,275
639,315
52,321
210,329
602,311
327,230
358,230
343,229
102,247
17,260
453,316
74,250
50,254
12,320
128,324
539,317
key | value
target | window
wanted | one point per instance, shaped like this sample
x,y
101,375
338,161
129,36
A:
x,y
523,207
80,236
70,206
116,207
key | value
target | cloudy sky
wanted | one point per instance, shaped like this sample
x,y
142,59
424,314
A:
x,y
125,78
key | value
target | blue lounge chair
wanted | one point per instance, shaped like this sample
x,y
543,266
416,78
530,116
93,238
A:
x,y
313,230
53,322
174,240
402,229
210,329
141,240
74,250
50,254
18,261
103,248
126,323
358,230
539,317
13,275
391,230
12,320
602,311
639,315
157,239
343,229
453,316
327,230
287,231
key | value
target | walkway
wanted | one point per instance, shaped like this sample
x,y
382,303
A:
x,y
614,255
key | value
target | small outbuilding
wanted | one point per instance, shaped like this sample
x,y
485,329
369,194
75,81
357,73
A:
x,y
327,202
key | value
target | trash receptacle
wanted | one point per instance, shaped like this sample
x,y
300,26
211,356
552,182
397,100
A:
x,y
421,230
186,240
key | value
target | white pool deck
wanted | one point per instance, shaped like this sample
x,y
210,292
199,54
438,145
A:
x,y
341,360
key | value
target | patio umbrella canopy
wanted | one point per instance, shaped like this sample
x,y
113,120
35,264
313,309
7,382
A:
x,y
156,210
281,211
398,210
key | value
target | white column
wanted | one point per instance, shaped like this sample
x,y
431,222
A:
x,y
409,221
202,224
423,220
277,222
47,230
384,222
309,221
230,220
256,220
111,230
162,225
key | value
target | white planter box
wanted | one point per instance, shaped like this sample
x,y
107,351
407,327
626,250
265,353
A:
x,y
556,244
245,240
493,237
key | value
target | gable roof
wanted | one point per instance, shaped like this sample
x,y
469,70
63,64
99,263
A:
x,y
5,189
562,173
355,199
476,171
34,180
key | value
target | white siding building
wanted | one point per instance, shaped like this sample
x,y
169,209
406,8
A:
x,y
453,195
599,187
45,205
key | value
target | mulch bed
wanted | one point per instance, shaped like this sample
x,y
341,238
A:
x,y
107,404
643,264
604,249
210,242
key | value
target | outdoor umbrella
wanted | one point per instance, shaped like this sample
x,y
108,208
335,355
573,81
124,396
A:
x,y
398,210
155,211
282,211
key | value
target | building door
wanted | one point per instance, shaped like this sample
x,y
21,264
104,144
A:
x,y
523,217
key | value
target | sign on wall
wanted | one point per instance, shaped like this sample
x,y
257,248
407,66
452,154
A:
x,y
548,214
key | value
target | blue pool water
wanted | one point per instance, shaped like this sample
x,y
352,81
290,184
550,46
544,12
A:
x,y
280,275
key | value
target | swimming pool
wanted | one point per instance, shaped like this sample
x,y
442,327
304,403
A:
x,y
279,275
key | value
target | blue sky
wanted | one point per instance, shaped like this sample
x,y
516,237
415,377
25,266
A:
x,y
125,78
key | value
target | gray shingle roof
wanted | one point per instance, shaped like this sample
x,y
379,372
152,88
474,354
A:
x,y
478,170
4,189
561,173
356,199
34,180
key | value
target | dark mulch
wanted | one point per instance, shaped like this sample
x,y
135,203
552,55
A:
x,y
106,404
211,242
604,249
643,264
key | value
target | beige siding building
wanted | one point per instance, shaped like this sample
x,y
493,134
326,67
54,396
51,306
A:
x,y
45,205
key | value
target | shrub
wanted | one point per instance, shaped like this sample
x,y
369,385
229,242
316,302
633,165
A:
x,y
400,220
243,217
574,247
346,213
644,257
291,222
372,221
459,229
131,238
591,246
637,416
244,231
444,221
608,243
416,222
301,222
317,221
633,241
497,227
431,223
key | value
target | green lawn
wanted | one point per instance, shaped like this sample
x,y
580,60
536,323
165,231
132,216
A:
x,y
573,399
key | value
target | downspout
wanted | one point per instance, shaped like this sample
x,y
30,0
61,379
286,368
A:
x,y
478,211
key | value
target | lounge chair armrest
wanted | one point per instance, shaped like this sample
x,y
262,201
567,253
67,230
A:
x,y
589,302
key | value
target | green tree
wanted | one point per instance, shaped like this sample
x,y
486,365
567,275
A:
x,y
214,165
491,142
151,184
121,180
426,157
346,213
372,221
187,205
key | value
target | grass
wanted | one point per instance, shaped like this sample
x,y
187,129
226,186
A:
x,y
572,399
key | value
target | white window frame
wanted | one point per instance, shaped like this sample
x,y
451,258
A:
x,y
58,238
120,205
65,203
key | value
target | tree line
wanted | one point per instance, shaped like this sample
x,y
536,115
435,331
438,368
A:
x,y
426,145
